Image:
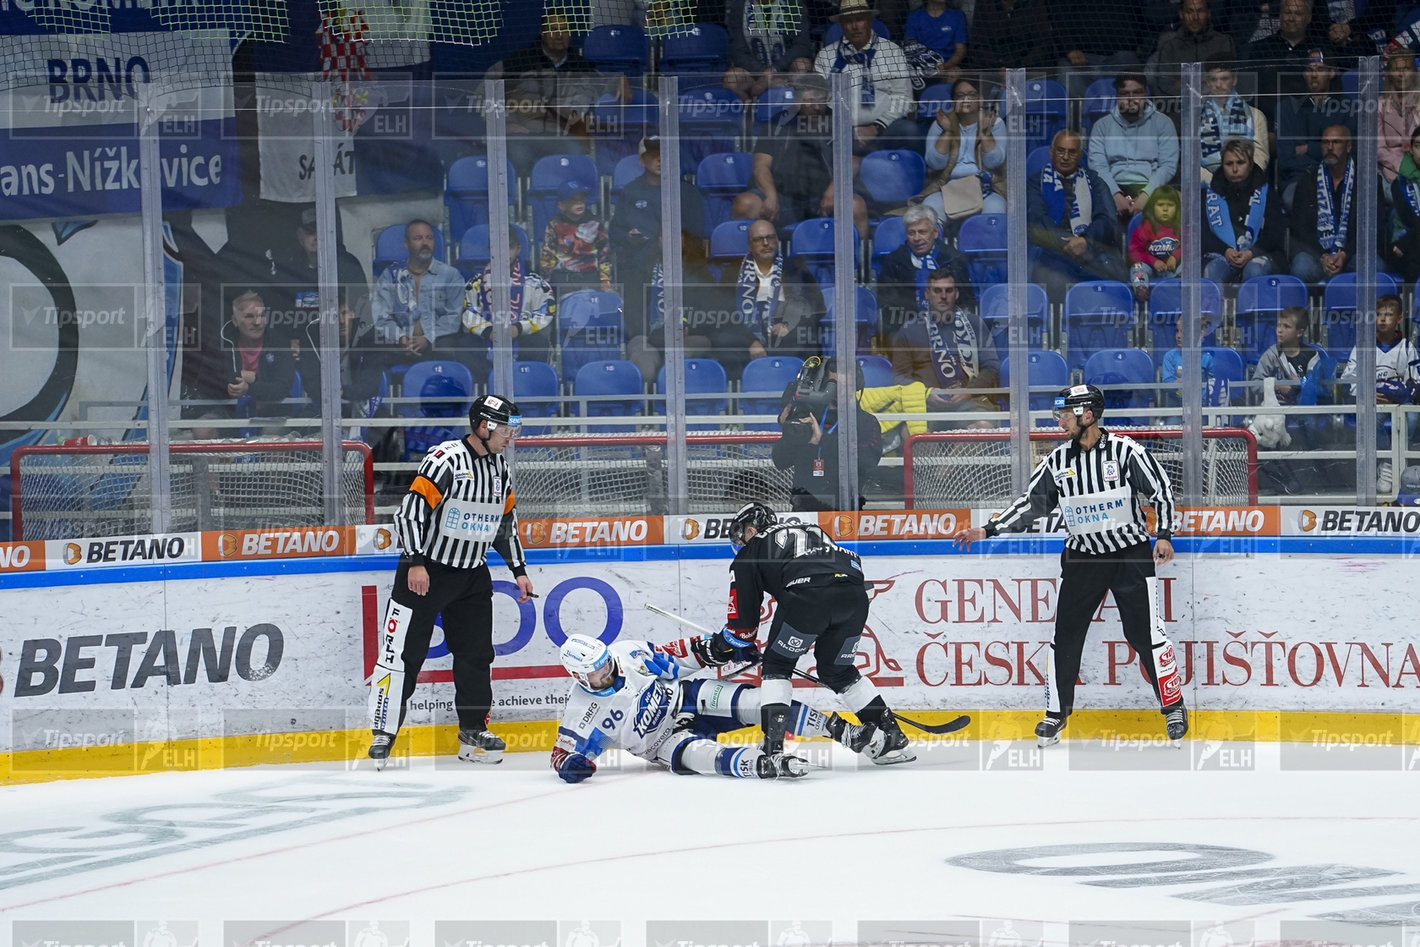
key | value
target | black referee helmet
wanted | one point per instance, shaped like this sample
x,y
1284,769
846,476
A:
x,y
495,410
1076,398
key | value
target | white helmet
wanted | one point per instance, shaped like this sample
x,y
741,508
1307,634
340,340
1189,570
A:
x,y
586,658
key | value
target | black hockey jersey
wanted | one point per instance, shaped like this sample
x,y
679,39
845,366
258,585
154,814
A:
x,y
785,557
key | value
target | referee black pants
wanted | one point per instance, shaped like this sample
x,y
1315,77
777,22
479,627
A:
x,y
1084,579
464,597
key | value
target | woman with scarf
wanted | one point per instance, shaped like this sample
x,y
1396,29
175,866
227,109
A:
x,y
1225,115
1399,111
967,142
1242,223
1404,256
768,38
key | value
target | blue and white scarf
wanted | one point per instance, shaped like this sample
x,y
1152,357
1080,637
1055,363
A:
x,y
1220,125
1081,209
924,265
846,54
758,315
1331,232
1220,218
956,362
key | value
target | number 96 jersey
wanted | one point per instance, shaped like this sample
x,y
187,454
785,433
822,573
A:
x,y
638,715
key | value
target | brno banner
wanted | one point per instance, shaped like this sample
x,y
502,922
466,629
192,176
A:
x,y
70,113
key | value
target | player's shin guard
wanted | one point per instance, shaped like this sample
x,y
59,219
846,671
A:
x,y
687,754
387,681
775,695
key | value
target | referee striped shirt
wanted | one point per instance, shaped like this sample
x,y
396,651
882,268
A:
x,y
458,506
1100,492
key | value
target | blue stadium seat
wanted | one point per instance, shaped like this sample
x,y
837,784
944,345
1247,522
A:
x,y
474,251
1166,305
718,179
548,174
770,107
702,48
766,378
537,392
877,371
590,328
1338,311
389,248
1045,370
711,119
603,378
627,170
703,376
982,238
865,318
934,98
1120,373
812,240
1228,367
466,192
444,390
1259,300
729,242
1099,102
1047,107
618,48
1037,159
617,129
995,314
889,234
893,176
1099,314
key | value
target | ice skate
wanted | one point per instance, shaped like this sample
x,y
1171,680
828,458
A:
x,y
380,747
1176,723
480,746
1047,732
856,736
781,766
889,744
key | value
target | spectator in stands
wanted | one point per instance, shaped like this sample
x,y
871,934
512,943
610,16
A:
x,y
706,307
778,306
1156,245
1397,380
1010,34
1302,372
362,363
1226,115
1301,119
1404,256
792,179
1281,57
902,281
1250,21
1242,219
576,248
966,142
1171,370
417,303
1324,231
878,79
1399,111
254,372
636,231
768,39
1090,33
941,27
947,348
1133,149
297,293
1195,40
1070,222
550,89
808,445
534,309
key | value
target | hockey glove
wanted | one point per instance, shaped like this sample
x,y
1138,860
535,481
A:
x,y
576,768
659,664
720,650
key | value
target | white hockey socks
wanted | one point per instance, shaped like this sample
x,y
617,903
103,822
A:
x,y
387,680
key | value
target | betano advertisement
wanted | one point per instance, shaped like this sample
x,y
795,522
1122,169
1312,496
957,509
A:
x,y
226,655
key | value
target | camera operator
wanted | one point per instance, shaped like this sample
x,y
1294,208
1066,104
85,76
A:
x,y
809,445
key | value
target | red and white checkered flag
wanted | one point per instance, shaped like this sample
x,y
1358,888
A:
x,y
343,38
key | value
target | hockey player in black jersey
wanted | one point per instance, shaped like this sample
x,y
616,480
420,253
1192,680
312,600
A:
x,y
1100,481
821,604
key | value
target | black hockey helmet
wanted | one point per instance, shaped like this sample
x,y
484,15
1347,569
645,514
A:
x,y
1076,398
495,410
757,515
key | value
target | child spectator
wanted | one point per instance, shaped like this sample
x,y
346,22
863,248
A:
x,y
1405,199
576,251
1173,366
1155,247
1299,371
941,27
1397,379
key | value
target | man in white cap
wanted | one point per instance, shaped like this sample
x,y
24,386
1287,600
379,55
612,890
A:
x,y
880,84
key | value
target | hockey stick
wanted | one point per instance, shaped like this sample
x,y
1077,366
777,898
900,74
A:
x,y
951,726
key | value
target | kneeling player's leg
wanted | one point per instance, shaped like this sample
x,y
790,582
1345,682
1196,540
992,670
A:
x,y
791,635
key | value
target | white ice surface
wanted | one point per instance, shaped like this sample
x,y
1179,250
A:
x,y
428,842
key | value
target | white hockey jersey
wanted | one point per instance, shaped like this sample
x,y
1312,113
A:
x,y
640,714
